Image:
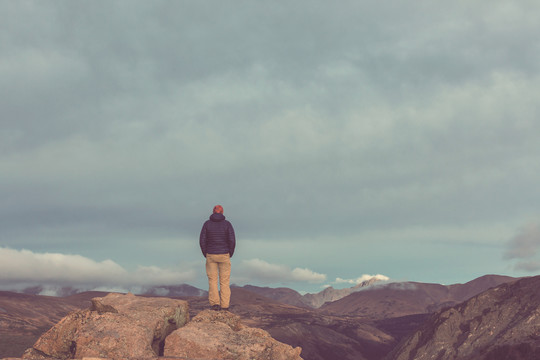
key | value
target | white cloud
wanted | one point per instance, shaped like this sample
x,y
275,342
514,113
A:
x,y
260,271
528,266
361,279
299,274
24,267
524,246
332,133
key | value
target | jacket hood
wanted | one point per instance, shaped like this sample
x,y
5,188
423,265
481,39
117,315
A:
x,y
217,217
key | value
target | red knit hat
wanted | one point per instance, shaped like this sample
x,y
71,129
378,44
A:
x,y
218,209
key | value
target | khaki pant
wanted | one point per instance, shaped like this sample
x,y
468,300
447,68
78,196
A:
x,y
218,265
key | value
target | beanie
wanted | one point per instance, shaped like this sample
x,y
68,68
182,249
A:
x,y
218,209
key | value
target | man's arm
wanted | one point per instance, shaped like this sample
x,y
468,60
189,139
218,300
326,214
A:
x,y
202,240
232,240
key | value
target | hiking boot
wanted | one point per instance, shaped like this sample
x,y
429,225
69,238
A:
x,y
216,307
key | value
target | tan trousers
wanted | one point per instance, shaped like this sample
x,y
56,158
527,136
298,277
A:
x,y
218,265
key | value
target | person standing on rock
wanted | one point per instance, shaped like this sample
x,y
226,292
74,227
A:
x,y
217,242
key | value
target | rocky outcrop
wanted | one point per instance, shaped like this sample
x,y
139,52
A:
x,y
221,335
501,323
121,326
115,326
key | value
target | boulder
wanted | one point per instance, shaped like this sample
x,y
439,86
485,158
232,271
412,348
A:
x,y
221,335
115,326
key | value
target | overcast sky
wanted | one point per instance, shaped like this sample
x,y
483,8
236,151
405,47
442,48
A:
x,y
342,139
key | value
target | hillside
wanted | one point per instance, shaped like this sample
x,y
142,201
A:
x,y
408,298
501,323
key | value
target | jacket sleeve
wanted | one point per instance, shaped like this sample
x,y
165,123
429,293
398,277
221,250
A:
x,y
202,240
231,240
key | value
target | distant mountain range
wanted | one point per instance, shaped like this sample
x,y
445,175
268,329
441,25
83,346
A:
x,y
292,297
159,290
174,291
370,298
374,321
406,298
285,295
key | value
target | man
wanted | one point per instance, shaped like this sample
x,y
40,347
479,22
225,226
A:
x,y
217,242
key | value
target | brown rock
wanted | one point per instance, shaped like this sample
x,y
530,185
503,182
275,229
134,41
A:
x,y
220,335
116,326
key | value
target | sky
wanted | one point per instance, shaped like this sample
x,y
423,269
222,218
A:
x,y
344,140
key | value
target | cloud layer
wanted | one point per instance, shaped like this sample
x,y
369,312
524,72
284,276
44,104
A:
x,y
123,124
524,248
25,268
261,272
361,279
21,269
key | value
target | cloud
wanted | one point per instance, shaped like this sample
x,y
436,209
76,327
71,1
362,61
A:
x,y
524,247
528,266
361,279
525,244
109,132
260,271
402,286
19,268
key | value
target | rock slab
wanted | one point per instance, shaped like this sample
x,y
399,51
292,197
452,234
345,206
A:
x,y
115,326
221,335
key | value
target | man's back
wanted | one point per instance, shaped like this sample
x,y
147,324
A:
x,y
217,236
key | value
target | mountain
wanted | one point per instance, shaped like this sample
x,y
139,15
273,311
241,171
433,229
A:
x,y
408,298
330,294
501,323
391,300
366,324
283,295
174,290
159,290
462,292
292,297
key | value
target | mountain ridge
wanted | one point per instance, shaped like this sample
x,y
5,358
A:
x,y
500,323
408,298
310,300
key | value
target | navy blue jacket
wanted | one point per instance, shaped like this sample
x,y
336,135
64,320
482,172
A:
x,y
217,236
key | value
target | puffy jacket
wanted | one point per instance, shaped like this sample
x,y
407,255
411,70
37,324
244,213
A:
x,y
217,236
